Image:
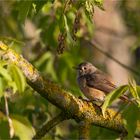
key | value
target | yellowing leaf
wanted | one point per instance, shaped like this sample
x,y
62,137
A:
x,y
22,128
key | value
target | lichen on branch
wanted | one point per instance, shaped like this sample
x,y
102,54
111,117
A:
x,y
73,107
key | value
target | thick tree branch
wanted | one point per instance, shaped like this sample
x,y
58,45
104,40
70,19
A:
x,y
72,106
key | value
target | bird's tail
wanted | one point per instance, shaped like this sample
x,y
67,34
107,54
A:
x,y
126,99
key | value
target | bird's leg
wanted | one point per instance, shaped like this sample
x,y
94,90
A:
x,y
123,135
97,102
121,109
87,100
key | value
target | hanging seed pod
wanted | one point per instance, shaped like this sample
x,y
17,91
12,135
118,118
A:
x,y
61,43
76,25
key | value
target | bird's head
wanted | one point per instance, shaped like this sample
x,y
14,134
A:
x,y
85,68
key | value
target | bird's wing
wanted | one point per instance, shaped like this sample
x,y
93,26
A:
x,y
101,81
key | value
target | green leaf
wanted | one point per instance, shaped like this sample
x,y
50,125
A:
x,y
18,77
13,85
42,59
113,96
132,88
2,86
89,6
131,115
138,91
4,129
5,74
22,127
46,62
3,63
69,38
50,68
24,7
62,23
99,3
138,97
39,4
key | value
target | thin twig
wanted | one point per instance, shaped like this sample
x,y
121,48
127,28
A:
x,y
84,130
8,117
11,39
49,125
96,46
111,32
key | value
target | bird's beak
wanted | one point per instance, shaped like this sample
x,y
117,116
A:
x,y
75,67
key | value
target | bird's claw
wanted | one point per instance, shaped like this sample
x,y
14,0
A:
x,y
83,99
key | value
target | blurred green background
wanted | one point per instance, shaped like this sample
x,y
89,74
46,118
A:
x,y
55,35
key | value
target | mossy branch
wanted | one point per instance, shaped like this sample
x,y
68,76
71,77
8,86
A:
x,y
73,107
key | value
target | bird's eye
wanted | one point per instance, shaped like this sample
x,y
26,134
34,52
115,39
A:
x,y
85,68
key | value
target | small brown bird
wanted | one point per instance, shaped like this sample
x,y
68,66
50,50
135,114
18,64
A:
x,y
94,83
